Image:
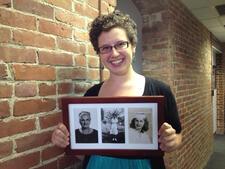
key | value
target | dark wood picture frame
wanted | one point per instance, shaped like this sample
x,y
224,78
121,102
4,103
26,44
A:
x,y
103,109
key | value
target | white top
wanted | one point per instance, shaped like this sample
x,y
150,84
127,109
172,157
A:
x,y
137,137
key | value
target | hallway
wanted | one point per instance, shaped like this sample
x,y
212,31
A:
x,y
217,160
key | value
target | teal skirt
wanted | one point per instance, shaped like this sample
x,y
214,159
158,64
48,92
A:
x,y
104,162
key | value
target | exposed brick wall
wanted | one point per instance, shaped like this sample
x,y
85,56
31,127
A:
x,y
220,84
220,79
223,55
45,54
192,80
178,51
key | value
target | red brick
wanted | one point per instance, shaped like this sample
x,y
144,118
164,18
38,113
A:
x,y
68,45
5,35
33,39
65,88
91,12
5,3
47,89
93,3
8,128
6,90
83,48
80,60
4,109
91,50
104,8
81,88
160,46
10,54
50,120
33,141
3,71
80,9
6,148
70,18
66,4
55,28
81,36
93,74
59,103
34,8
51,152
17,19
66,161
93,62
72,73
33,106
50,58
86,10
24,162
51,165
26,90
186,60
31,72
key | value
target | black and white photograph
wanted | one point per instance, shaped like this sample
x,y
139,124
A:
x,y
113,127
140,126
85,134
119,126
84,124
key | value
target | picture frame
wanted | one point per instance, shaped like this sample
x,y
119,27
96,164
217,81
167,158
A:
x,y
119,126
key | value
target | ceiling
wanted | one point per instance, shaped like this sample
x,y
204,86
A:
x,y
206,12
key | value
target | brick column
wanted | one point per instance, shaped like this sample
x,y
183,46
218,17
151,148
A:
x,y
177,50
45,54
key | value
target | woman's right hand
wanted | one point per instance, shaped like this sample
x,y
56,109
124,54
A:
x,y
60,136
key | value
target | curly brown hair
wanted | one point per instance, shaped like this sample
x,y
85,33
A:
x,y
144,128
112,20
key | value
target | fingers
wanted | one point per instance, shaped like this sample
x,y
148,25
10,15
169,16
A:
x,y
168,147
167,137
166,129
63,128
60,136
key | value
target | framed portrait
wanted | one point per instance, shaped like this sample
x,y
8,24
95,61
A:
x,y
124,126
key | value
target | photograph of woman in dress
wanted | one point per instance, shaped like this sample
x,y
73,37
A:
x,y
113,129
139,131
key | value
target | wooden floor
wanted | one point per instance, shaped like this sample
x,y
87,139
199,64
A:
x,y
217,160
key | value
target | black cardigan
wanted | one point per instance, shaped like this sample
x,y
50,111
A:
x,y
152,87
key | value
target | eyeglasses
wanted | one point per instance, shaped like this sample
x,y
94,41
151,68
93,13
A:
x,y
119,46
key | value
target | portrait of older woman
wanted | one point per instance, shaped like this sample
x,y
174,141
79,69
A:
x,y
86,134
139,129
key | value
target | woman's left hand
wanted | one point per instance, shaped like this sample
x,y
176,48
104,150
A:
x,y
168,138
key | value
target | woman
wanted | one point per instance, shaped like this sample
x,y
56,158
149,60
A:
x,y
114,130
138,129
85,134
114,38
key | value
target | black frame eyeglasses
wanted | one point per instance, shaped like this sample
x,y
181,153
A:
x,y
119,46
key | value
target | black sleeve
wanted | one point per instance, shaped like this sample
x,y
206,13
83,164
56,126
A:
x,y
94,90
155,87
171,112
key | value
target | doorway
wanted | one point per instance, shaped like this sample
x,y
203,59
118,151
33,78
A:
x,y
215,53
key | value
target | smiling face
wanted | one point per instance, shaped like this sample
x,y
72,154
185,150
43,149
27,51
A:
x,y
117,61
139,121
